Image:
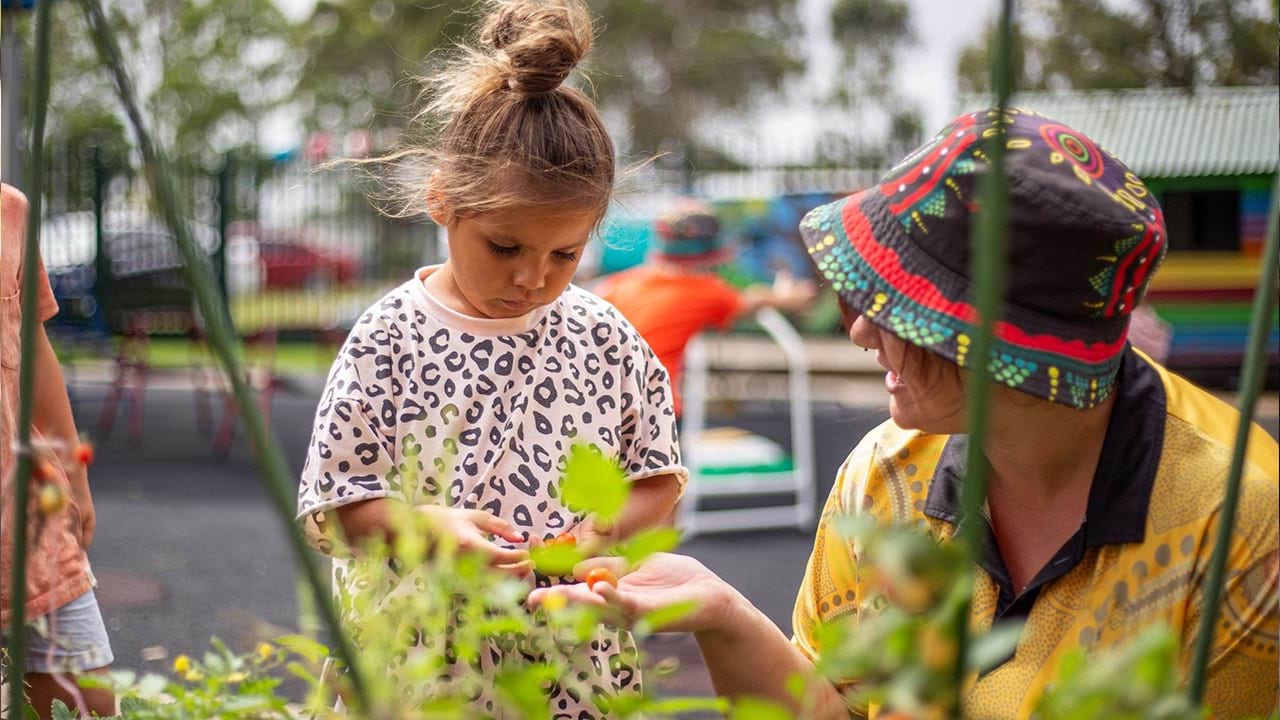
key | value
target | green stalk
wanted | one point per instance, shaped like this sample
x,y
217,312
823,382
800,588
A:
x,y
1255,363
26,371
987,274
224,342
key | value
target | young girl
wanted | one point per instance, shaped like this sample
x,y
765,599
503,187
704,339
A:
x,y
492,361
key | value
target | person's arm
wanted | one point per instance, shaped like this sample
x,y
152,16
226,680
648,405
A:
x,y
787,293
748,656
745,653
650,504
52,416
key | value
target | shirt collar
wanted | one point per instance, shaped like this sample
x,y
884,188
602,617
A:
x,y
1121,491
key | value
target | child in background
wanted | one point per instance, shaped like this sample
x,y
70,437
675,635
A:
x,y
494,350
676,295
59,585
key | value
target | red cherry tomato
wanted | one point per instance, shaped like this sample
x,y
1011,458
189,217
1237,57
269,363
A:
x,y
84,454
599,575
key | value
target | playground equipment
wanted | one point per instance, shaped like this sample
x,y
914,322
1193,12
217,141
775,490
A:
x,y
738,464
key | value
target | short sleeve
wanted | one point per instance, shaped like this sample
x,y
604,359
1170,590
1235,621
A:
x,y
831,590
14,219
349,458
726,302
649,446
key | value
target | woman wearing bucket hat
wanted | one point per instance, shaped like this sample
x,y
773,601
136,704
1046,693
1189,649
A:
x,y
1107,471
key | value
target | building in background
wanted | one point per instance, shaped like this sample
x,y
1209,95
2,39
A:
x,y
1211,157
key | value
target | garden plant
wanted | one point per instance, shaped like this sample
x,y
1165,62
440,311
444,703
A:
x,y
914,657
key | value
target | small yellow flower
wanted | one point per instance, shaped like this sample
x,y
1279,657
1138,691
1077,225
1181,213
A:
x,y
193,675
236,677
265,651
181,664
554,601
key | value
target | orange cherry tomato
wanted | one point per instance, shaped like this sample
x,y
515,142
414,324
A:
x,y
43,470
84,454
564,538
599,575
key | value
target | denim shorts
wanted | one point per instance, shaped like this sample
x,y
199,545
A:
x,y
80,644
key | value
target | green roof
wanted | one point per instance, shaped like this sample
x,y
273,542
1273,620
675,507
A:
x,y
1169,132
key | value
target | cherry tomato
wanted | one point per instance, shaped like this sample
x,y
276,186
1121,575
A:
x,y
598,575
84,454
564,538
51,499
43,470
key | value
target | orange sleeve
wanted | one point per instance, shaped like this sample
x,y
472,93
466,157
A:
x,y
728,301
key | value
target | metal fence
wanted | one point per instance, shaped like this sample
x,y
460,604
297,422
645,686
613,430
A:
x,y
294,248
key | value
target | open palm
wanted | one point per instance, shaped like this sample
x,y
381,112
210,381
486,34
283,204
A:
x,y
661,581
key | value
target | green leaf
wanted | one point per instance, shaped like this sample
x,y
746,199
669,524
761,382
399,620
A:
x,y
522,688
993,646
151,686
755,709
673,706
245,704
135,706
664,616
60,711
299,670
593,483
556,559
797,686
647,542
304,646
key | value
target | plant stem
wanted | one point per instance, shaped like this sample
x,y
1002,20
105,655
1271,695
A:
x,y
26,372
987,275
1255,363
226,345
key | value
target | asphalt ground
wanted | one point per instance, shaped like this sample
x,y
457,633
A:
x,y
188,546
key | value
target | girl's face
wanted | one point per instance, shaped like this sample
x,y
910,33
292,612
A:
x,y
505,263
926,392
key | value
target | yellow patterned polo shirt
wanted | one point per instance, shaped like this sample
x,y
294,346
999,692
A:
x,y
1139,557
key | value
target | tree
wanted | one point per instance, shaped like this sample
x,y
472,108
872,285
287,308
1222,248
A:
x,y
870,34
1094,44
207,72
660,67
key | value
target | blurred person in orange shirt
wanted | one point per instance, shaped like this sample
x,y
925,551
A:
x,y
677,295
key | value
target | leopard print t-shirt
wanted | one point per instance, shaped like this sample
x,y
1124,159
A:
x,y
490,408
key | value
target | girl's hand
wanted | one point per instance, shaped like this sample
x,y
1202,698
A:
x,y
77,477
593,535
473,530
662,580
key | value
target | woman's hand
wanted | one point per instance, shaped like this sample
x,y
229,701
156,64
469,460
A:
x,y
473,531
660,581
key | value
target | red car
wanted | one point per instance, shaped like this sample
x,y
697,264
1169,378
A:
x,y
259,258
291,264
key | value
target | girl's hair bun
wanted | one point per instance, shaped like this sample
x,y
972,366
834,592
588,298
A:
x,y
537,43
